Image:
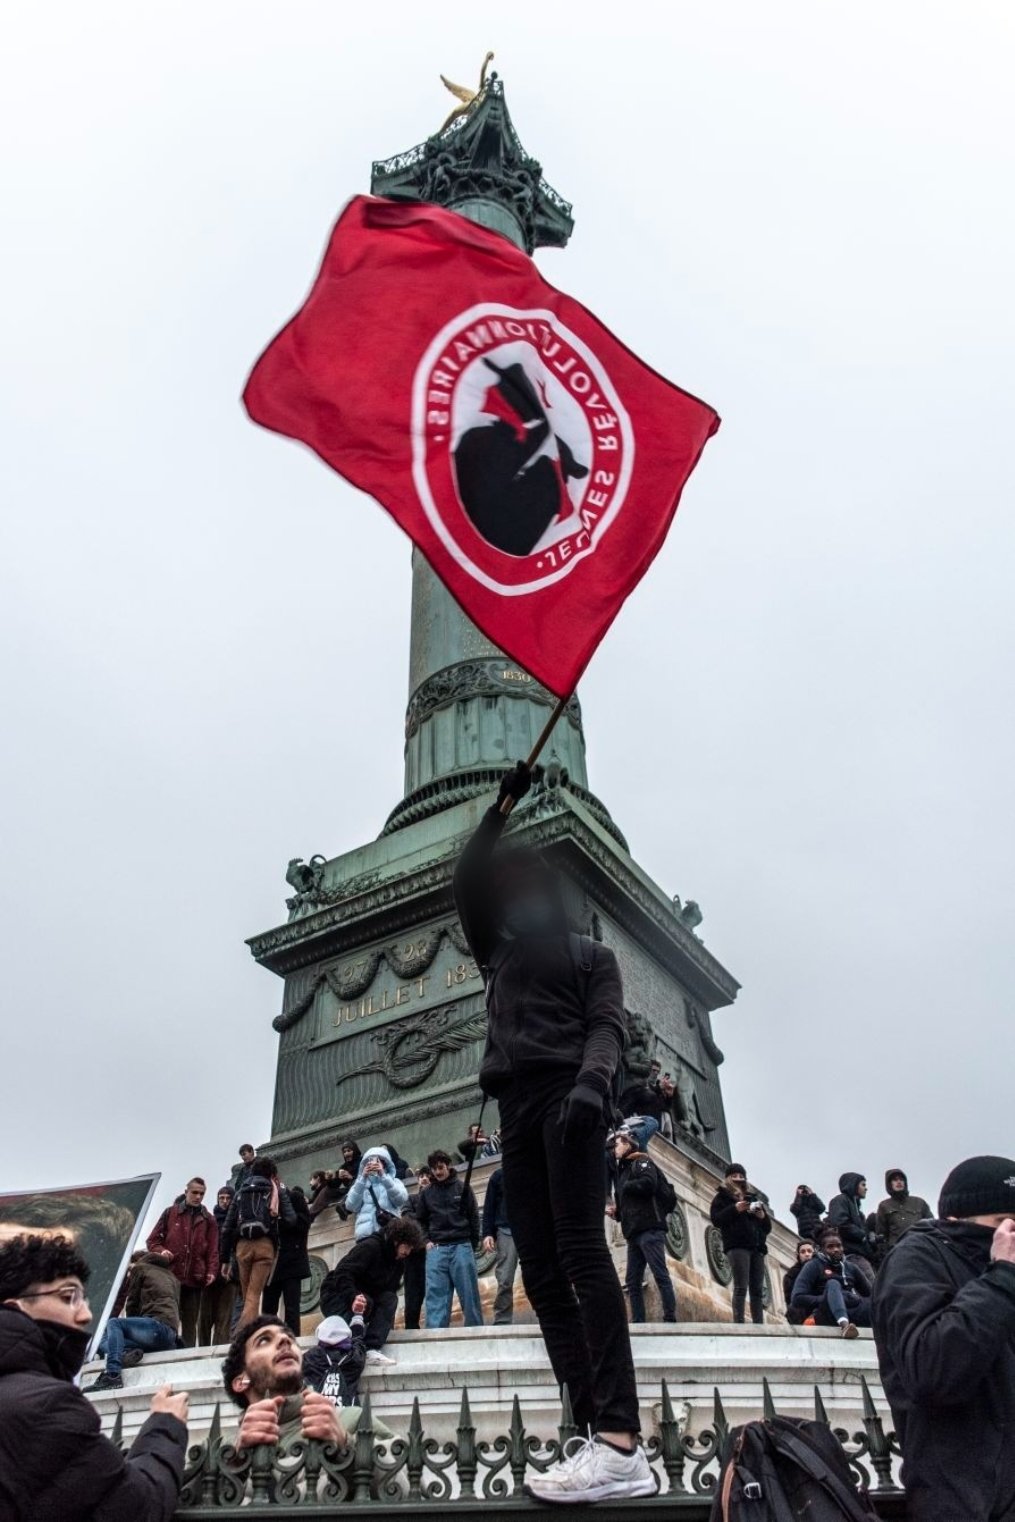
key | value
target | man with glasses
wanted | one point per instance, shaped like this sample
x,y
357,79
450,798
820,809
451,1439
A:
x,y
55,1464
150,1321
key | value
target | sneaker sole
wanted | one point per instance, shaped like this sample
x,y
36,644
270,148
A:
x,y
617,1490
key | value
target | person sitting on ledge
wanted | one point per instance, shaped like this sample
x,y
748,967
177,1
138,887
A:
x,y
804,1253
150,1322
263,1373
829,1289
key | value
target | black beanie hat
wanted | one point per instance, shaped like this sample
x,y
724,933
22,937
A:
x,y
979,1186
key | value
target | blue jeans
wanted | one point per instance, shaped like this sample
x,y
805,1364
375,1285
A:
x,y
648,1249
842,1305
144,1332
644,1131
451,1266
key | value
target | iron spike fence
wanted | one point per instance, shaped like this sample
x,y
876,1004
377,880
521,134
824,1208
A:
x,y
470,1476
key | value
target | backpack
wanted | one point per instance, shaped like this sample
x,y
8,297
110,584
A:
x,y
784,1468
666,1195
253,1210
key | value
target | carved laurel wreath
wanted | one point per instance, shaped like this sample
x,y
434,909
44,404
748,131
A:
x,y
350,980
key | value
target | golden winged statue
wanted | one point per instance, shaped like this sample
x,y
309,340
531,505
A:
x,y
467,97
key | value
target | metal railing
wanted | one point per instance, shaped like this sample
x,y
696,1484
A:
x,y
469,1475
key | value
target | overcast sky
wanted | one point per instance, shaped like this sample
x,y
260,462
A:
x,y
803,718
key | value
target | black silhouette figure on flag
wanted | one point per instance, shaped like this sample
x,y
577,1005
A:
x,y
512,474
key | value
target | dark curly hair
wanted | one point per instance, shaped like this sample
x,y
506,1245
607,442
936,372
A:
x,y
25,1261
438,1156
405,1231
235,1361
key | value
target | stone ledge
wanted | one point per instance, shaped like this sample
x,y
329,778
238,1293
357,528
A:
x,y
496,1364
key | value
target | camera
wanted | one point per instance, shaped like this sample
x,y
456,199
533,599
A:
x,y
756,1206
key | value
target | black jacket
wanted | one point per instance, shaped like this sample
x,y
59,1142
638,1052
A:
x,y
636,1194
370,1268
494,1208
944,1324
808,1209
542,1020
447,1214
293,1261
643,1099
739,1228
230,1233
809,1286
846,1215
55,1465
335,1372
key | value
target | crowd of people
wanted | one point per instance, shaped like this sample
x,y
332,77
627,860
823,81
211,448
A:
x,y
938,1291
837,1257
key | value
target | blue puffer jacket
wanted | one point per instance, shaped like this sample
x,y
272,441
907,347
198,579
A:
x,y
375,1191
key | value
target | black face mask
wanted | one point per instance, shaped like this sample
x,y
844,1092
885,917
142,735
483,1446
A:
x,y
66,1347
530,914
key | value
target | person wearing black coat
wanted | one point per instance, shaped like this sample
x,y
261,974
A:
x,y
556,1031
804,1253
845,1214
373,1268
55,1463
744,1223
808,1209
829,1289
292,1264
944,1324
643,1222
415,1265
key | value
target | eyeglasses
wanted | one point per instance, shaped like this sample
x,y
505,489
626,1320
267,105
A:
x,y
71,1294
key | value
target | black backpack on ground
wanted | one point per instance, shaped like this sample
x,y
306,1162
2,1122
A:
x,y
253,1210
783,1469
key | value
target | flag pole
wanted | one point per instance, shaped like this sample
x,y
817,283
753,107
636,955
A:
x,y
544,735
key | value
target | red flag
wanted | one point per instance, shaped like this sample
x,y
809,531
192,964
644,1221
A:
x,y
535,461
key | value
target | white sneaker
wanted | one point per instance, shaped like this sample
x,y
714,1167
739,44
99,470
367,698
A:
x,y
591,1471
374,1355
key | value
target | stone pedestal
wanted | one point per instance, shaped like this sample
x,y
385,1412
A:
x,y
495,1364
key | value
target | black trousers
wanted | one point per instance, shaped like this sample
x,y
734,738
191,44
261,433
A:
x,y
190,1310
748,1275
288,1291
415,1289
380,1318
556,1198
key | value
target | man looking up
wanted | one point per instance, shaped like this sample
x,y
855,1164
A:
x,y
555,1033
944,1324
55,1465
263,1373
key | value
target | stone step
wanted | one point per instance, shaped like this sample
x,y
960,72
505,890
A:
x,y
496,1363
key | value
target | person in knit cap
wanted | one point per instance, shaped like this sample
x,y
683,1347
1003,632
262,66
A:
x,y
943,1312
334,1366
